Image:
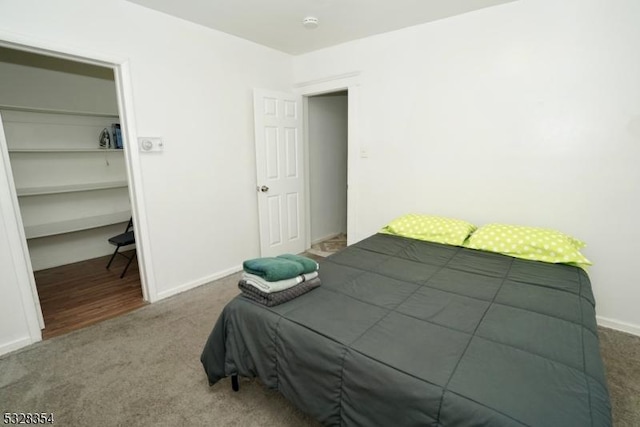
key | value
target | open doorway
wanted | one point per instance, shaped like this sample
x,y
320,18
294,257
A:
x,y
327,142
72,193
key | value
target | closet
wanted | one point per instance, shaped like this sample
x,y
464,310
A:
x,y
69,190
72,192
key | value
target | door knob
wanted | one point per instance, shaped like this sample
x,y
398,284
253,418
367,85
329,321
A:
x,y
264,189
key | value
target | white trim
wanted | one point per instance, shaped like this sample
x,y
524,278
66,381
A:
x,y
618,325
45,47
353,149
15,345
132,161
329,79
307,169
350,82
199,282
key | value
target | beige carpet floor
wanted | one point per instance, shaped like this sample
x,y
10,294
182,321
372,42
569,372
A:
x,y
143,369
140,369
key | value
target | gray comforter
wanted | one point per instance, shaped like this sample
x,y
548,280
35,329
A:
x,y
404,332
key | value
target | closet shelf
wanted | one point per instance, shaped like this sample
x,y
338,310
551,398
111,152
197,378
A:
x,y
57,111
70,188
77,224
64,181
65,150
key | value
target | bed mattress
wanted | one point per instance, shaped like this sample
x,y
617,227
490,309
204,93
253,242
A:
x,y
406,332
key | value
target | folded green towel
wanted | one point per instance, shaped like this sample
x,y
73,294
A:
x,y
273,269
308,264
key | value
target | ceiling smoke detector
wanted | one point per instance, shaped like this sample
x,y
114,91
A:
x,y
310,23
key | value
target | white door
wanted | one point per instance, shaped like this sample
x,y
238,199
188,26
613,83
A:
x,y
280,174
9,208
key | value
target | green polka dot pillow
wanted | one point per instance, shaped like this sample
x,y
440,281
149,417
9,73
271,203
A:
x,y
430,228
539,244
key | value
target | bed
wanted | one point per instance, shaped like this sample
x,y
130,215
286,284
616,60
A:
x,y
407,332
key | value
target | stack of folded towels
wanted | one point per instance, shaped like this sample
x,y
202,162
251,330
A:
x,y
275,280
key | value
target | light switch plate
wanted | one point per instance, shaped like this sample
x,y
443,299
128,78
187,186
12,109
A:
x,y
150,144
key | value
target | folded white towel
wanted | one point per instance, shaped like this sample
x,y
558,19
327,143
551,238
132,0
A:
x,y
277,286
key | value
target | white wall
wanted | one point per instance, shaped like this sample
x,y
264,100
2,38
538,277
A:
x,y
525,113
327,165
192,86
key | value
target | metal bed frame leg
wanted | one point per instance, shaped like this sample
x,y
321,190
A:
x,y
235,386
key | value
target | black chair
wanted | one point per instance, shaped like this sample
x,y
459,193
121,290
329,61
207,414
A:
x,y
125,239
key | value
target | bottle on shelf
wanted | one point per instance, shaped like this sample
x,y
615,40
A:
x,y
105,138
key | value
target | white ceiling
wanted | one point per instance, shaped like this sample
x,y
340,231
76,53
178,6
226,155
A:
x,y
278,23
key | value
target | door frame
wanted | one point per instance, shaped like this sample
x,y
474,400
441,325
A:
x,y
351,83
17,238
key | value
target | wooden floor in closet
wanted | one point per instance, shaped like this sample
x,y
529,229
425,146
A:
x,y
76,295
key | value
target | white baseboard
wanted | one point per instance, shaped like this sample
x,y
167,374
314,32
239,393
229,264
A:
x,y
618,325
194,284
15,345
